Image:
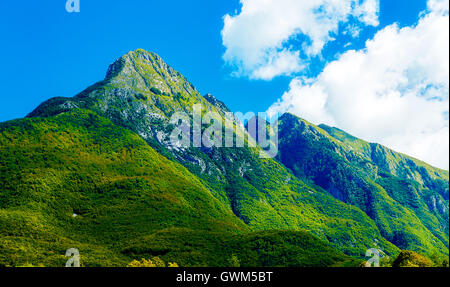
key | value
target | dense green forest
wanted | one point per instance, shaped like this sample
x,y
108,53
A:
x,y
98,172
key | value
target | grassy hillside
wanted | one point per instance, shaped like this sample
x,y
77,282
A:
x,y
129,201
117,185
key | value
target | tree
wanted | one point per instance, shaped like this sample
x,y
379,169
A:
x,y
154,262
234,261
408,258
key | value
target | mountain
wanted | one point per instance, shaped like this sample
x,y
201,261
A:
x,y
106,155
141,92
407,199
76,180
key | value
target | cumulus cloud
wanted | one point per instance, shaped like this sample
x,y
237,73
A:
x,y
257,39
438,6
394,92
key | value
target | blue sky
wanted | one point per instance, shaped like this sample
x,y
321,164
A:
x,y
47,52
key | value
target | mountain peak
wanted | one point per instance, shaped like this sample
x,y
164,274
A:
x,y
137,83
147,72
131,58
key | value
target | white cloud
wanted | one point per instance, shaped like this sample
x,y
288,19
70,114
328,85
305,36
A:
x,y
281,62
256,39
438,6
394,92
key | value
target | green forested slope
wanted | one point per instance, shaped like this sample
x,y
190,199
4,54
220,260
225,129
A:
x,y
410,211
120,188
129,201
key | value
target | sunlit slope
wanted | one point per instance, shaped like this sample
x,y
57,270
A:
x,y
78,181
118,187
